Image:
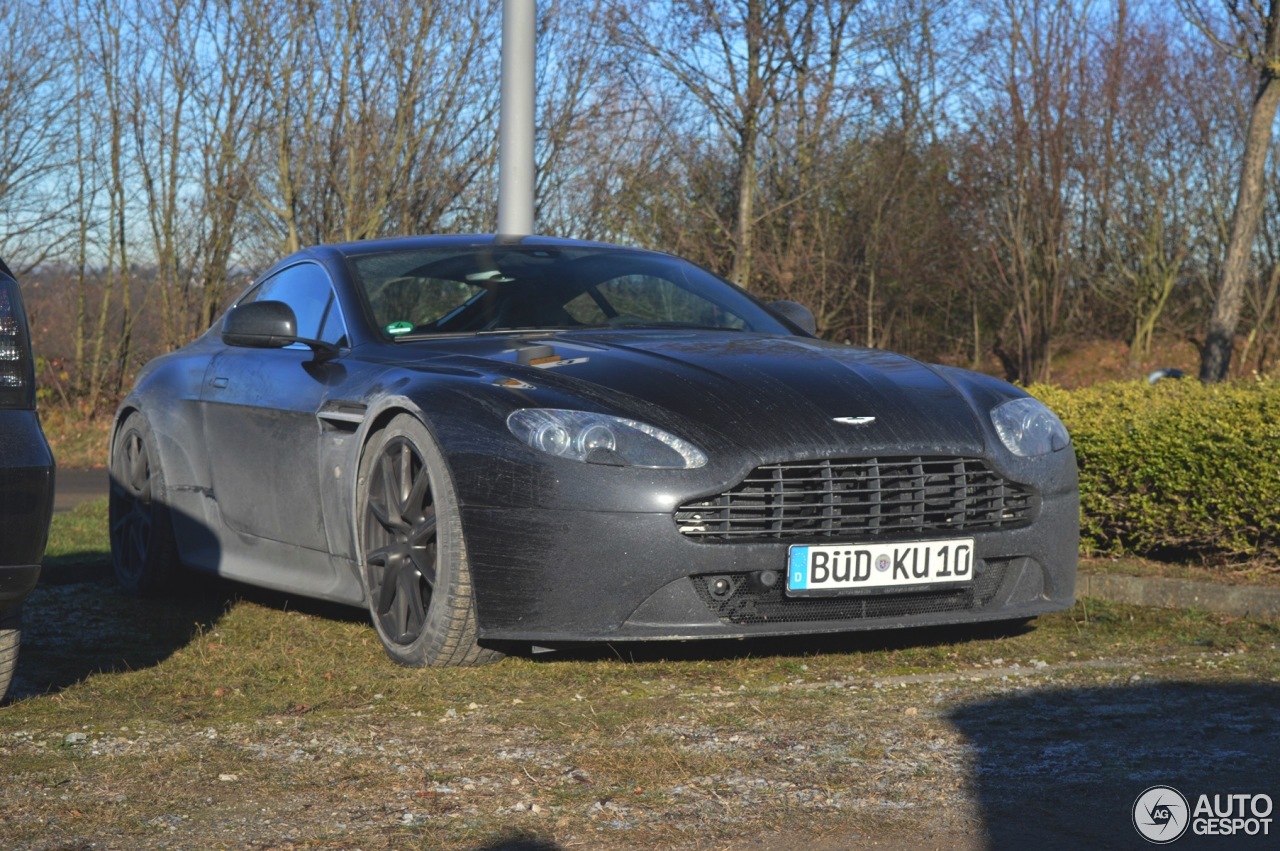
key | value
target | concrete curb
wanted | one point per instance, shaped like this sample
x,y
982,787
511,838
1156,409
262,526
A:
x,y
1180,594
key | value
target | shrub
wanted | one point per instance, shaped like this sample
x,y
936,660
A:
x,y
1178,468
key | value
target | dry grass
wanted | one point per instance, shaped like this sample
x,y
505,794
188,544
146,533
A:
x,y
76,440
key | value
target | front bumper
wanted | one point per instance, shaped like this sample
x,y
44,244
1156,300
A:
x,y
547,576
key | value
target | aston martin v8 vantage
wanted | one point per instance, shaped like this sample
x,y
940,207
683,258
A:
x,y
492,441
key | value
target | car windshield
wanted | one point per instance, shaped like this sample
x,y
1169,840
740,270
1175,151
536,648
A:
x,y
425,292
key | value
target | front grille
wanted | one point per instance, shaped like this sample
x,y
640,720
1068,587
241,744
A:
x,y
860,499
748,603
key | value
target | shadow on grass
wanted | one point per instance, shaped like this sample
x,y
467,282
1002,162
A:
x,y
78,622
1062,768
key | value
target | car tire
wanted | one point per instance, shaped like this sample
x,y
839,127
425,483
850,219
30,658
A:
x,y
412,553
143,550
10,639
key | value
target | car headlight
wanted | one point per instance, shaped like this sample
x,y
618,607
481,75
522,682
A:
x,y
602,439
1028,428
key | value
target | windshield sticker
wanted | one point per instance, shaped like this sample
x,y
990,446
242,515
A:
x,y
399,328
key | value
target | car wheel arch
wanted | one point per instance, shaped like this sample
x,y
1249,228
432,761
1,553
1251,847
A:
x,y
121,417
122,414
172,457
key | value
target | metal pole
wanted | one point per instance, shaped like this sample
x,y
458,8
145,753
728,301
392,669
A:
x,y
515,118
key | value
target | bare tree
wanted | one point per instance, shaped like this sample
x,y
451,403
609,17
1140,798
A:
x,y
1250,32
158,110
36,149
228,108
1262,301
802,255
734,58
102,29
374,132
193,115
1029,143
1135,228
85,125
583,115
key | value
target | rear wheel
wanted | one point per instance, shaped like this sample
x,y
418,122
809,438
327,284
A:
x,y
10,639
413,554
143,551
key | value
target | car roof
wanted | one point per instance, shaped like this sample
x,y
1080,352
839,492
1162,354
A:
x,y
463,241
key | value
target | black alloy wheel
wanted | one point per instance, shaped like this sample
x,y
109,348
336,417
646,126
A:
x,y
401,537
415,568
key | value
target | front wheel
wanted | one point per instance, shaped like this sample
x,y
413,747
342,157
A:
x,y
412,551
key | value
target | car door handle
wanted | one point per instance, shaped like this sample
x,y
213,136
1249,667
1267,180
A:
x,y
219,383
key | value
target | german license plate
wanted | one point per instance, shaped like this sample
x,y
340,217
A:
x,y
844,568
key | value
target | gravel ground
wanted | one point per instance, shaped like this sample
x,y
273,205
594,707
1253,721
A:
x,y
998,756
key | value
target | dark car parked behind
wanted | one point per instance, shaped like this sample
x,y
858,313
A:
x,y
26,474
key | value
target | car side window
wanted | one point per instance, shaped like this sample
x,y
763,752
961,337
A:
x,y
305,288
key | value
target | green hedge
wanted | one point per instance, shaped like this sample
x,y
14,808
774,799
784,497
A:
x,y
1176,469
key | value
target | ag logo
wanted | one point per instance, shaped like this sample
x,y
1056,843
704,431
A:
x,y
1161,814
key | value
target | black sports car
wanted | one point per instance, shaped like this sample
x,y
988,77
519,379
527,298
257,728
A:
x,y
533,440
26,475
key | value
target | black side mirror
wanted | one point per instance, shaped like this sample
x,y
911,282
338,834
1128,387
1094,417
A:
x,y
260,325
797,314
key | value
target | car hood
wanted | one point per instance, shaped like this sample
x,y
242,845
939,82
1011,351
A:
x,y
779,397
